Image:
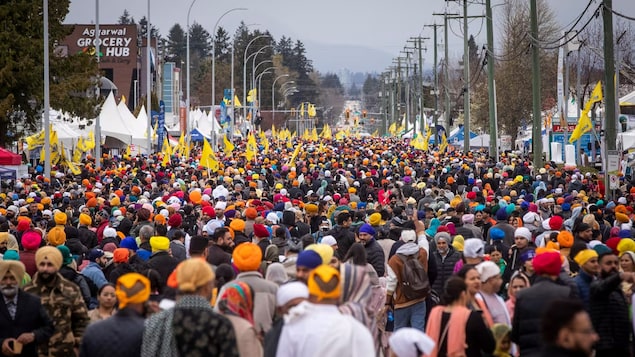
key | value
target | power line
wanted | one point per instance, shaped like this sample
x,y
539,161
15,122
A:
x,y
596,13
621,15
575,23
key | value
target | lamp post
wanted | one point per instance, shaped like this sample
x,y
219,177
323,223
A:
x,y
47,103
187,102
273,97
97,120
213,58
254,67
259,80
245,69
148,85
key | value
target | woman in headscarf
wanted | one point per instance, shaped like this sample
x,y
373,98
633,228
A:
x,y
502,335
517,282
432,230
277,274
237,304
363,298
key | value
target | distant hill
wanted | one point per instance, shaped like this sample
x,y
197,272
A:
x,y
333,58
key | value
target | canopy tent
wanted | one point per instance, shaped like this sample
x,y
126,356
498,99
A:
x,y
197,136
457,135
112,124
628,99
9,158
137,126
7,174
627,139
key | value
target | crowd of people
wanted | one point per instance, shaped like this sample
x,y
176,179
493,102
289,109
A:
x,y
350,246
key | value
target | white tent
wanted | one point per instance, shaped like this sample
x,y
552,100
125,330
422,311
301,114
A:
x,y
137,126
627,139
628,99
112,124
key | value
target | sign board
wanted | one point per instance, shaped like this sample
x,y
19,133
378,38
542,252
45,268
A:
x,y
614,183
613,162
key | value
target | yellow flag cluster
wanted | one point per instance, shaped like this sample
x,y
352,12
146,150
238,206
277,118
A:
x,y
421,143
584,122
326,132
311,111
251,95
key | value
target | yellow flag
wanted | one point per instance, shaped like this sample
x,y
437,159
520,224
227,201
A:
x,y
182,147
77,155
295,154
265,142
306,135
311,110
273,131
427,139
596,96
167,152
314,134
252,147
74,169
128,151
302,110
35,140
584,125
251,95
237,102
392,129
90,142
229,146
444,143
208,158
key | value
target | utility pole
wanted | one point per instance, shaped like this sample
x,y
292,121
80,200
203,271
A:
x,y
466,80
610,135
418,45
446,74
535,69
493,130
436,80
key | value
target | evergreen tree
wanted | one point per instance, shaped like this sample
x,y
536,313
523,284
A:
x,y
125,18
21,68
176,45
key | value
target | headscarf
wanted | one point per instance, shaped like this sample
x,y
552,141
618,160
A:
x,y
434,225
237,300
356,294
500,331
574,215
277,274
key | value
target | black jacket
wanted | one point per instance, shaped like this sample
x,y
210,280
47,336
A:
x,y
609,313
30,316
344,237
217,255
87,237
375,256
530,305
119,270
120,335
445,267
555,351
163,263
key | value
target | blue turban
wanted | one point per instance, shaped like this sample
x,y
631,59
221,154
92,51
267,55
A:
x,y
496,234
367,228
308,259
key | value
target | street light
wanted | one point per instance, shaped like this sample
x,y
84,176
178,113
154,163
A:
x,y
214,58
259,80
47,102
245,70
187,102
273,97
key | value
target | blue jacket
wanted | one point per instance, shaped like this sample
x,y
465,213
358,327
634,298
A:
x,y
93,272
583,281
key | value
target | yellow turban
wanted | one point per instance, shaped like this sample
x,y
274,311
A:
x,y
584,256
325,251
159,243
626,245
374,219
191,274
324,283
132,288
60,218
56,236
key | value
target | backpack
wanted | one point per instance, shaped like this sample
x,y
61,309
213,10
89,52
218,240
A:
x,y
414,282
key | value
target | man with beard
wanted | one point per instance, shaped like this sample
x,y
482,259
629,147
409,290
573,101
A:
x,y
29,324
221,243
63,302
567,330
374,252
609,308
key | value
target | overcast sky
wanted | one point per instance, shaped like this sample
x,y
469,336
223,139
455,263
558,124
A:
x,y
353,34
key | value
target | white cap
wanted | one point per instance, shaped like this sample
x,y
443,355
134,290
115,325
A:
x,y
220,205
473,248
621,200
289,291
110,232
410,342
272,217
487,269
523,232
116,213
328,240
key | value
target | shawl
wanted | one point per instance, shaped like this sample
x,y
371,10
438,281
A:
x,y
237,300
456,330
